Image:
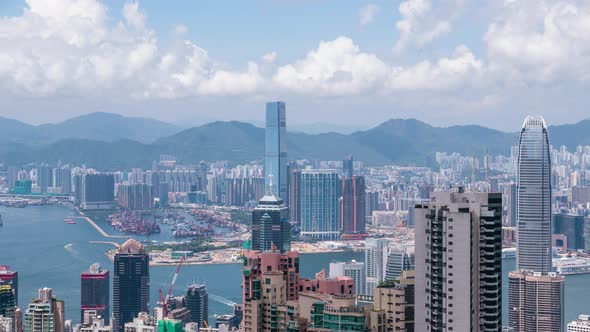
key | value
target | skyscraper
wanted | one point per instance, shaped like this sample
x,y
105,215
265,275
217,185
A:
x,y
270,224
97,191
94,292
197,301
375,262
275,149
535,301
7,301
534,197
354,270
44,177
459,262
9,278
352,205
294,189
399,259
348,167
130,283
512,205
319,203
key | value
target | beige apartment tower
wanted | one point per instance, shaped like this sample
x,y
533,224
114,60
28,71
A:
x,y
459,262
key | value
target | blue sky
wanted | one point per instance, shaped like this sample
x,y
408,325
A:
x,y
341,64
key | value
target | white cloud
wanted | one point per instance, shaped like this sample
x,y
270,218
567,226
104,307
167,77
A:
x,y
367,14
336,67
68,46
270,57
180,29
73,47
421,23
541,41
447,73
133,15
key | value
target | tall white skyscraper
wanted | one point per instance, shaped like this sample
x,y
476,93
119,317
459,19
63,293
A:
x,y
534,197
354,270
459,262
375,262
275,150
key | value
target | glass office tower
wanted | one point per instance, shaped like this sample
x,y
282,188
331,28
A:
x,y
534,197
275,149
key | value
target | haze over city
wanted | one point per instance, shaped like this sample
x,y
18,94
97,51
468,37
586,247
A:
x,y
294,166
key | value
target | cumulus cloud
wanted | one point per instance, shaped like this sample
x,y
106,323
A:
x,y
367,14
336,67
541,40
73,47
421,23
68,46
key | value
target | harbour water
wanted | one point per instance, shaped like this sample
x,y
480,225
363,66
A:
x,y
47,252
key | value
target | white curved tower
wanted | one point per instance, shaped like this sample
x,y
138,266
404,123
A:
x,y
534,197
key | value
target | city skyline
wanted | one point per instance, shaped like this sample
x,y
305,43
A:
x,y
294,165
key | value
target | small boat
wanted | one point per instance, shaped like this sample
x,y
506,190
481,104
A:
x,y
70,221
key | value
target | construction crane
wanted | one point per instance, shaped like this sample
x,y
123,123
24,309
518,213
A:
x,y
165,301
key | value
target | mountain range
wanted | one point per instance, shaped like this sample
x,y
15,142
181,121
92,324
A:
x,y
110,141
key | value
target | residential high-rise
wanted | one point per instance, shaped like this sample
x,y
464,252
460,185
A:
x,y
97,191
131,282
535,301
395,299
534,197
135,196
354,270
9,278
459,262
371,202
582,324
45,314
375,262
95,292
269,279
44,177
270,224
96,325
197,301
319,203
6,324
352,205
142,323
275,149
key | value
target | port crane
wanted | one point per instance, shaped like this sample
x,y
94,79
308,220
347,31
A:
x,y
165,301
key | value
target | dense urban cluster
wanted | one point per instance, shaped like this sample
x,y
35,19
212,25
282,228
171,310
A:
x,y
433,239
